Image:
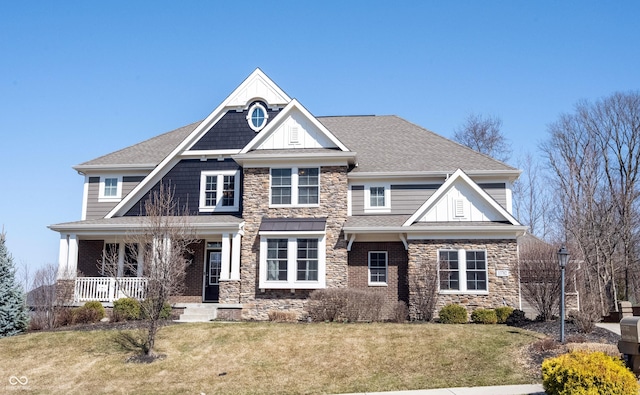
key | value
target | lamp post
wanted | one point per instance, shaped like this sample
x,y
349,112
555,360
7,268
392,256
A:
x,y
563,258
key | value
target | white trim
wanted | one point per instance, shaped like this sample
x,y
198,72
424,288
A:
x,y
462,272
403,238
254,106
386,269
294,187
282,115
351,240
209,154
220,174
459,174
368,208
173,158
493,174
85,197
292,267
508,196
102,198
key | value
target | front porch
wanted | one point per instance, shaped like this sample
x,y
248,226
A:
x,y
108,289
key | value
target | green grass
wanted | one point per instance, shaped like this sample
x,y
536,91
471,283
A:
x,y
269,358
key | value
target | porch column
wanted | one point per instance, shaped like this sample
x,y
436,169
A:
x,y
235,256
226,254
68,257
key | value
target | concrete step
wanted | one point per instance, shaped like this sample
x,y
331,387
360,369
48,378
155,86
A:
x,y
197,312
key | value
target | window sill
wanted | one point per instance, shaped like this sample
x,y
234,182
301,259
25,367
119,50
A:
x,y
456,292
293,205
225,209
378,285
109,200
374,210
291,285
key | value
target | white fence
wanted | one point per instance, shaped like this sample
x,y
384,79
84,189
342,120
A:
x,y
108,289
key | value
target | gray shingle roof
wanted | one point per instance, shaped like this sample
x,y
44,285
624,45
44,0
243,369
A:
x,y
149,152
382,143
135,221
292,224
392,144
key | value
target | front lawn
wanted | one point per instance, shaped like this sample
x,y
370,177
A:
x,y
269,358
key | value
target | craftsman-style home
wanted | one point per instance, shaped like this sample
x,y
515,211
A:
x,y
285,203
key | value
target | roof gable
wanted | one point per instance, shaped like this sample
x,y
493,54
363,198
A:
x,y
294,128
460,199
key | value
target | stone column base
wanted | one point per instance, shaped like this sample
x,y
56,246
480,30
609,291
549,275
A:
x,y
64,292
229,292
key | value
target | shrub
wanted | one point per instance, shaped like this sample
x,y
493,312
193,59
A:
x,y
581,372
400,312
484,316
517,319
165,313
90,312
503,313
125,309
282,316
585,321
453,314
344,304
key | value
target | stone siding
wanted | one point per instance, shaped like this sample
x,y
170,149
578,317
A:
x,y
500,255
333,206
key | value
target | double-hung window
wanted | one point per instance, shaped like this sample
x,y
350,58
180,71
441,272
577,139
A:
x,y
378,267
292,262
377,198
219,190
462,271
298,186
110,189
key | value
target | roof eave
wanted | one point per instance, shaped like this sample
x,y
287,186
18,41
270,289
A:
x,y
254,158
512,175
116,167
433,229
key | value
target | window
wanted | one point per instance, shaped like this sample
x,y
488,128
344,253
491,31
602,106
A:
x,y
219,191
292,262
377,268
122,260
277,259
295,186
257,117
130,267
307,260
462,271
110,189
377,198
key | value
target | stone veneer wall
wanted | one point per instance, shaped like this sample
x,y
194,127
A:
x,y
333,206
501,255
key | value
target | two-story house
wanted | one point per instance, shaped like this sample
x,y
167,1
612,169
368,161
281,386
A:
x,y
285,203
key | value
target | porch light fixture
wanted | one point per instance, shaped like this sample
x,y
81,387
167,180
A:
x,y
563,258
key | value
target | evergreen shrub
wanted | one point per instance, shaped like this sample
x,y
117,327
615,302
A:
x,y
587,373
91,312
503,313
453,314
125,309
484,316
517,319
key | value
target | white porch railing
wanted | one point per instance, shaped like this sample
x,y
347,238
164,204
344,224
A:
x,y
108,289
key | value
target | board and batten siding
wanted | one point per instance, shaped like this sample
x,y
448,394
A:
x,y
97,209
407,198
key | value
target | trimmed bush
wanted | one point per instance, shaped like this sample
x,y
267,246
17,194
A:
x,y
282,316
503,313
453,314
165,313
125,309
517,319
89,313
584,373
346,305
400,312
484,316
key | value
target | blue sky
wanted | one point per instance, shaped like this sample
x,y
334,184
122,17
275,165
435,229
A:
x,y
82,79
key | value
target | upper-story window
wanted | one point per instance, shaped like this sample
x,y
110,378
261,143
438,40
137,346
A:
x,y
377,198
110,189
219,190
257,117
295,186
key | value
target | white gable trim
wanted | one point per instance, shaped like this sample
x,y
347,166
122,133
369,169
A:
x,y
282,115
172,159
459,175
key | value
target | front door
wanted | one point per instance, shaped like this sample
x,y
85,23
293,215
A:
x,y
212,276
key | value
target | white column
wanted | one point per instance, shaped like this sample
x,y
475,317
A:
x,y
235,256
68,257
226,254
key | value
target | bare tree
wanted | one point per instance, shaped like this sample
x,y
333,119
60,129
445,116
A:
x,y
423,286
483,134
531,199
163,240
43,298
540,276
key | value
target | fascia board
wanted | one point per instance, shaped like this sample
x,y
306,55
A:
x,y
498,174
93,229
282,115
441,232
322,159
105,168
164,167
459,174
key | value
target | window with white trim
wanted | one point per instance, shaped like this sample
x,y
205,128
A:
x,y
378,265
257,117
377,198
110,189
294,262
462,271
297,186
219,190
